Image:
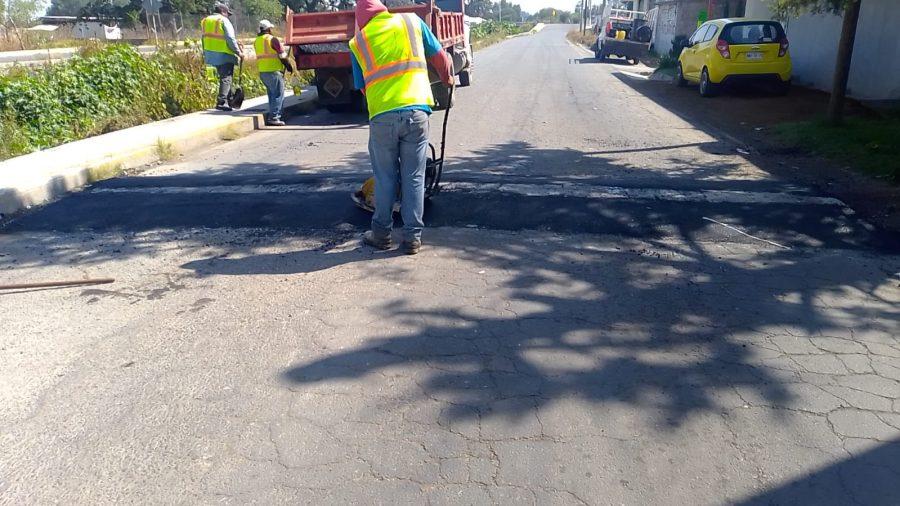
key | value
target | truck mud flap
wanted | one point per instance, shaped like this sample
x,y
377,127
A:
x,y
335,86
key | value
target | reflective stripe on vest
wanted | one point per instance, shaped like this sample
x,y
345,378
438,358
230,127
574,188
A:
x,y
213,34
391,54
267,60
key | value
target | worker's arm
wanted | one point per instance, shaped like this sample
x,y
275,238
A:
x,y
436,55
230,38
282,55
358,82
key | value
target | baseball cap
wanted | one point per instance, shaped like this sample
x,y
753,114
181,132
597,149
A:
x,y
265,24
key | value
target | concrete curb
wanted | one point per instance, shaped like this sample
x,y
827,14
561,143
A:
x,y
43,176
538,27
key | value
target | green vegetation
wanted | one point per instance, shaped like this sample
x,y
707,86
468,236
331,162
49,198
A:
x,y
869,144
586,39
489,32
165,151
551,15
106,88
495,11
667,61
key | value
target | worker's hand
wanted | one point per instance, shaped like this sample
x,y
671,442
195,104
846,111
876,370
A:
x,y
450,81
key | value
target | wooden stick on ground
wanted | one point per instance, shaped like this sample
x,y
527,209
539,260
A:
x,y
53,284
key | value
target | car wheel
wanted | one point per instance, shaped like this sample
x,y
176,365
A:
x,y
633,61
707,88
680,81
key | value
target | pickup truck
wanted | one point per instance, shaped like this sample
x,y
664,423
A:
x,y
320,41
631,24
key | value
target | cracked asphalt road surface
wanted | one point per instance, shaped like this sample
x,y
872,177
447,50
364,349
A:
x,y
614,306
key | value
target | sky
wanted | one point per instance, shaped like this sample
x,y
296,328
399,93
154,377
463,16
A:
x,y
536,5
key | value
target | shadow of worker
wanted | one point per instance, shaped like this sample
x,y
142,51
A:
x,y
292,262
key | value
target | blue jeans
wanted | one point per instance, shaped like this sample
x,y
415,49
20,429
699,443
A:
x,y
274,82
225,72
398,147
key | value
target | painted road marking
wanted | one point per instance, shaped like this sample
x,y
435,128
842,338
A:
x,y
574,190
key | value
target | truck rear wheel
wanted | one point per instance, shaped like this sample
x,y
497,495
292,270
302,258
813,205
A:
x,y
465,78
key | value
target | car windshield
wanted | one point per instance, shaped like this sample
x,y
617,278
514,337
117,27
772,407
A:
x,y
752,33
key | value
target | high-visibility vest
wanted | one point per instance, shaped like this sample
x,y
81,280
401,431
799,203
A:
x,y
213,34
390,52
267,60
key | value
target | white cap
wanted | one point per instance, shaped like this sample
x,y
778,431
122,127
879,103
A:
x,y
265,24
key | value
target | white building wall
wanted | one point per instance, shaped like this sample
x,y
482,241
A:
x,y
875,69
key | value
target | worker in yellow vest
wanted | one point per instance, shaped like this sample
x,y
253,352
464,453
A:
x,y
220,50
390,60
271,60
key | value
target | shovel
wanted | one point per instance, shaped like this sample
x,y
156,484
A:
x,y
236,97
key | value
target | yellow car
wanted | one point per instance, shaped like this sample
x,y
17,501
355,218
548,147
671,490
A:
x,y
729,50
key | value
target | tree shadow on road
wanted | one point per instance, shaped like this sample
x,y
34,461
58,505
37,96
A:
x,y
870,477
668,328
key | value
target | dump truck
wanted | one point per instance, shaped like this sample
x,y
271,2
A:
x,y
320,42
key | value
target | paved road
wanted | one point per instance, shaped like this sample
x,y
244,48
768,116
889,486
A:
x,y
614,305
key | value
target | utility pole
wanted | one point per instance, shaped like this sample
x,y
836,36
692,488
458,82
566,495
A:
x,y
585,12
501,10
842,63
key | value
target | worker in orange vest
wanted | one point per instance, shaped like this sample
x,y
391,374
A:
x,y
390,60
220,50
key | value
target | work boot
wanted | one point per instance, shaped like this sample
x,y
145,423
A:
x,y
382,243
274,122
412,247
224,107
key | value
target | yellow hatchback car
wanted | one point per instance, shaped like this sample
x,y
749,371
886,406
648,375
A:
x,y
730,50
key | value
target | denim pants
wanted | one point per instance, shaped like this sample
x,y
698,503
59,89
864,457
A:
x,y
225,73
398,147
274,82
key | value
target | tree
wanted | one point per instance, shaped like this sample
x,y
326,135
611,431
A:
x,y
850,11
66,7
17,13
263,9
479,8
551,15
20,12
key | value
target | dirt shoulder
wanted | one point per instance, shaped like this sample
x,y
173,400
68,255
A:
x,y
751,117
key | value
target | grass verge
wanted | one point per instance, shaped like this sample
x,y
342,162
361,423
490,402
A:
x,y
868,144
490,32
107,87
587,39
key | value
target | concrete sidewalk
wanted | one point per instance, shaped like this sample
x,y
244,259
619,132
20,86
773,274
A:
x,y
45,175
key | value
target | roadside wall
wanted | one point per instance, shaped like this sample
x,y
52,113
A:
x,y
675,17
875,70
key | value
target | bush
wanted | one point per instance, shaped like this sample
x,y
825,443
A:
x,y
668,61
105,88
490,28
678,44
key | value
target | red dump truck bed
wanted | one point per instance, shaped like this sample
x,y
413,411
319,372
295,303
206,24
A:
x,y
320,42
